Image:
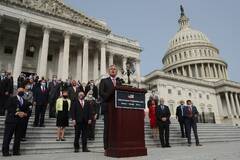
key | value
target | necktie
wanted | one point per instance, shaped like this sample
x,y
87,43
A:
x,y
21,101
81,103
114,81
162,107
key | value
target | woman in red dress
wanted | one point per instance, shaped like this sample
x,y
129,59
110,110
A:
x,y
152,104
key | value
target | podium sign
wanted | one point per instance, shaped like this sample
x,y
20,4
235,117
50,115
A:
x,y
126,136
129,100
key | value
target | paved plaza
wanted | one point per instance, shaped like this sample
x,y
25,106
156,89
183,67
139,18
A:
x,y
216,151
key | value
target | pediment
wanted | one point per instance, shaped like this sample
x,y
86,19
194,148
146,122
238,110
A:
x,y
59,10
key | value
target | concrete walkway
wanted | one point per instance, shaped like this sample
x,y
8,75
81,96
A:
x,y
217,151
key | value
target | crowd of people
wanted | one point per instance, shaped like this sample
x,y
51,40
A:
x,y
65,100
81,103
159,115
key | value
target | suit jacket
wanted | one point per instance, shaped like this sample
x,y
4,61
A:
x,y
40,97
179,112
72,93
160,113
12,106
54,91
106,92
194,113
79,113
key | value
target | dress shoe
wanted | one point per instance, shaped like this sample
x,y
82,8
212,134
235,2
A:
x,y
63,139
189,144
198,144
17,154
86,150
42,125
57,139
168,146
6,155
76,150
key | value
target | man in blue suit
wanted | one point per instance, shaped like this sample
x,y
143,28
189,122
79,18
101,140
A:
x,y
191,116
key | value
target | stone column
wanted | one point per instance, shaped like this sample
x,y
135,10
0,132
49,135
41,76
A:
x,y
228,105
79,63
103,59
237,104
223,73
184,71
190,71
44,53
110,60
209,70
60,62
202,70
124,63
96,65
20,50
233,104
215,71
196,71
177,71
220,107
66,49
138,73
219,71
85,60
39,57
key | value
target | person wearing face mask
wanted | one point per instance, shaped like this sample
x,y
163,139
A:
x,y
28,97
41,102
81,118
17,111
93,87
63,105
74,90
91,103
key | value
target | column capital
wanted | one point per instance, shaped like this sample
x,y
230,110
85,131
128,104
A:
x,y
46,28
103,42
67,34
23,23
86,38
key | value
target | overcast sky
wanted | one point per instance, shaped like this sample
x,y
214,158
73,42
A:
x,y
154,22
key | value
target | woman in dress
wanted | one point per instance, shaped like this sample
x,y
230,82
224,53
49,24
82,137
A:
x,y
62,110
152,104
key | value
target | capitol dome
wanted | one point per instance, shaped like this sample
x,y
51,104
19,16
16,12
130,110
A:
x,y
191,54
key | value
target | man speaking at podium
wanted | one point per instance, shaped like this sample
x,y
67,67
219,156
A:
x,y
106,92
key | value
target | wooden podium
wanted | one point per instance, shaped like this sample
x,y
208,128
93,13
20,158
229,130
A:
x,y
126,123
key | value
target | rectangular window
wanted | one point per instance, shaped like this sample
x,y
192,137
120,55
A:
x,y
8,50
169,91
50,58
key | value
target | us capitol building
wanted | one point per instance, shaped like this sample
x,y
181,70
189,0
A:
x,y
49,38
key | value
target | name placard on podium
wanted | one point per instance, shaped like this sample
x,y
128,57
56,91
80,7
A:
x,y
129,100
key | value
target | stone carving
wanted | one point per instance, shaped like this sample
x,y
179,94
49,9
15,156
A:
x,y
58,9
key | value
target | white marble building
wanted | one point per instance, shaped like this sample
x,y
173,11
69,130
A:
x,y
49,38
194,70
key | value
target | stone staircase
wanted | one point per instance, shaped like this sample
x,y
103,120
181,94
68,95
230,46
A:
x,y
43,140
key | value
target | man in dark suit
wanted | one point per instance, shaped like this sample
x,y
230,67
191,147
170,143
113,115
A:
x,y
179,116
163,120
17,111
81,116
191,115
73,91
54,93
106,92
4,92
41,102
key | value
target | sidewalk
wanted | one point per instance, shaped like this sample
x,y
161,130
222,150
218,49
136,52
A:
x,y
216,151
